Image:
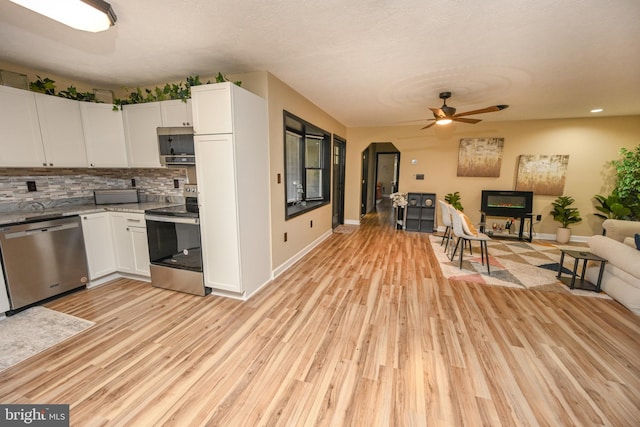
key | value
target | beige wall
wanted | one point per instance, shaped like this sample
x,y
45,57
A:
x,y
590,144
299,231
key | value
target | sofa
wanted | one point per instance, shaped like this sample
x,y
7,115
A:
x,y
621,278
621,230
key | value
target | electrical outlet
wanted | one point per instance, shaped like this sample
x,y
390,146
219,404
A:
x,y
31,186
133,182
538,217
176,183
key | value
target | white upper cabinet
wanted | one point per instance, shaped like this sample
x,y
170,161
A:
x,y
21,142
61,128
214,113
140,123
103,135
176,113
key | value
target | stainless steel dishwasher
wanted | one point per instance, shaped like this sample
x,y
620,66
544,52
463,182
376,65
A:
x,y
42,258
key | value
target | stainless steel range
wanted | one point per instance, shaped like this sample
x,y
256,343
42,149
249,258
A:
x,y
175,252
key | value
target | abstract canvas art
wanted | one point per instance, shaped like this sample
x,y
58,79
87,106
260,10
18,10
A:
x,y
480,157
542,174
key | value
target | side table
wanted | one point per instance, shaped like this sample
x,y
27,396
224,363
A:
x,y
579,282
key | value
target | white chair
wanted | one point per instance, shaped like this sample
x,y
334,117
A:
x,y
463,234
445,217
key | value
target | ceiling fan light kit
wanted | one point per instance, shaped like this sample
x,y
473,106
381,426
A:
x,y
86,15
446,114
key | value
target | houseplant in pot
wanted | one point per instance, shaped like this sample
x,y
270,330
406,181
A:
x,y
565,215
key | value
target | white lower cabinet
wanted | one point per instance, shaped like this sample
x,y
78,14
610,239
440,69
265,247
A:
x,y
130,243
98,242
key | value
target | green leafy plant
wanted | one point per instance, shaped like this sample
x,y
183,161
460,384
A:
x,y
624,201
454,200
72,93
563,213
45,86
611,207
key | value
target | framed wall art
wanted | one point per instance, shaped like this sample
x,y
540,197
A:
x,y
542,174
480,157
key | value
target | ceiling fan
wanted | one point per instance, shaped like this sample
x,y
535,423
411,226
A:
x,y
445,114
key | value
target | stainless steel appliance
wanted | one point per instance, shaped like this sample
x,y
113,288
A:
x,y
176,148
42,259
175,252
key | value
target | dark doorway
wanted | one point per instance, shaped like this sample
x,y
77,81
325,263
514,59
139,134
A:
x,y
365,182
339,153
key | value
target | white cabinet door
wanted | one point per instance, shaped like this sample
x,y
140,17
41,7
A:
x,y
130,241
140,124
21,142
103,135
61,128
212,109
218,221
176,113
98,241
140,251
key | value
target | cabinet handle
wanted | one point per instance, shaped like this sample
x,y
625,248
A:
x,y
127,228
92,165
44,164
133,220
50,164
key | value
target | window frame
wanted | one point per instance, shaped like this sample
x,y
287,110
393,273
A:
x,y
306,131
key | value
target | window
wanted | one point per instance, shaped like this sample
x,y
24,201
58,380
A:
x,y
307,166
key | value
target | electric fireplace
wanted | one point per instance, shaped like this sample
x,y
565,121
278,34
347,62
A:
x,y
514,204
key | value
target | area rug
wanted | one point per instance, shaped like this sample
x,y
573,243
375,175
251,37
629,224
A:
x,y
515,264
34,330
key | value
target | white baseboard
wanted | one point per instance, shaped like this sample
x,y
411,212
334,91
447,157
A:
x,y
352,222
288,263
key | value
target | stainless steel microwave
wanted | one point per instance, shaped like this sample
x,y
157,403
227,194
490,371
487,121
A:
x,y
176,147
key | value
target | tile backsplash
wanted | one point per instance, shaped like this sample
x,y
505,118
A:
x,y
60,183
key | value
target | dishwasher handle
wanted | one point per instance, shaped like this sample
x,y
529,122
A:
x,y
32,231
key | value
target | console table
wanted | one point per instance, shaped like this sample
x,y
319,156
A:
x,y
521,234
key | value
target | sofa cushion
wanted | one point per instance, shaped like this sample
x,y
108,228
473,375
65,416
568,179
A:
x,y
618,229
617,253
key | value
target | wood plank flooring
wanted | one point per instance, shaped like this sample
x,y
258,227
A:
x,y
364,331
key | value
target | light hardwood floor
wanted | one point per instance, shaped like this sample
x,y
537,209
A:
x,y
363,331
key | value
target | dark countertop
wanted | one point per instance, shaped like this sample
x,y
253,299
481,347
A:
x,y
14,217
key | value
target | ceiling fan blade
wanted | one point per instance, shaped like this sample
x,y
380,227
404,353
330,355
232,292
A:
x,y
465,120
437,112
483,110
428,126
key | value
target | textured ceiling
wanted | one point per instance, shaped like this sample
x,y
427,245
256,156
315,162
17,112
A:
x,y
365,62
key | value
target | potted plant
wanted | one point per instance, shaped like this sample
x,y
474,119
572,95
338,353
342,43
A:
x,y
565,215
454,200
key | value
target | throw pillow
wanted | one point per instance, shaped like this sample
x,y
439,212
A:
x,y
637,237
467,225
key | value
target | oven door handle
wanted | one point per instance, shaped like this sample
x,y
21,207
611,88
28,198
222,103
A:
x,y
174,219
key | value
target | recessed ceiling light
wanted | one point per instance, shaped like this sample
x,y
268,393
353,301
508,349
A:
x,y
597,110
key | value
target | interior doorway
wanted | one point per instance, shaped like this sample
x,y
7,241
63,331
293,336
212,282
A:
x,y
380,164
339,152
387,165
